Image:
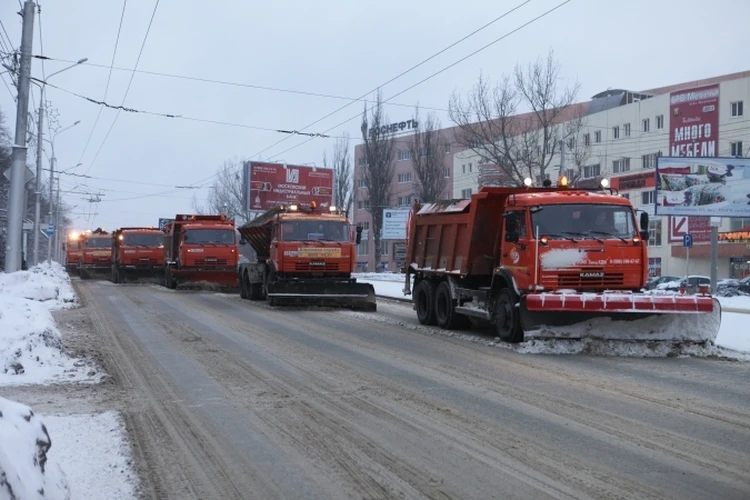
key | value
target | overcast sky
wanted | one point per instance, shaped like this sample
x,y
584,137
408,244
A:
x,y
335,47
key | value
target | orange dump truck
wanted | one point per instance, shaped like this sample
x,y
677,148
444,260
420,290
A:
x,y
72,248
536,262
137,254
96,254
305,256
201,249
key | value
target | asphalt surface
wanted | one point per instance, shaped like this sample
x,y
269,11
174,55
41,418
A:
x,y
225,398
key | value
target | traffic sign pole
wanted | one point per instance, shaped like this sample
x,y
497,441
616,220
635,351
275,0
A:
x,y
687,242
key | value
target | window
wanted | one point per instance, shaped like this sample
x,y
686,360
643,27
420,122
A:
x,y
365,227
616,132
469,167
646,124
626,129
404,201
363,162
466,194
625,195
598,136
571,144
654,266
403,178
587,139
609,221
736,224
302,230
649,161
463,168
592,171
362,247
447,148
736,148
404,154
659,122
654,233
363,183
621,165
447,172
736,108
570,173
648,197
475,144
360,205
522,225
384,247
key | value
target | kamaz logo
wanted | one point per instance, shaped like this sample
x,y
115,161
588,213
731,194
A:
x,y
292,175
591,274
317,263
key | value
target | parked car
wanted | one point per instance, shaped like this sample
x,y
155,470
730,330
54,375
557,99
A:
x,y
654,281
689,283
732,287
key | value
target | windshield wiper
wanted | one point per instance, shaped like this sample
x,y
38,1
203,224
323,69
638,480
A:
x,y
559,235
584,235
604,233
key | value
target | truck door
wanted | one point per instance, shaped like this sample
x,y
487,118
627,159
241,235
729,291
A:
x,y
517,248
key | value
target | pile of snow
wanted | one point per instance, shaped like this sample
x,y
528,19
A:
x,y
47,283
384,276
25,468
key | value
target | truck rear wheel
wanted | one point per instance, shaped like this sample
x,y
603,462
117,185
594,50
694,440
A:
x,y
424,299
445,309
244,292
507,322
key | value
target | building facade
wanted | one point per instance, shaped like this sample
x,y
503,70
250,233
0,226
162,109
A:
x,y
620,137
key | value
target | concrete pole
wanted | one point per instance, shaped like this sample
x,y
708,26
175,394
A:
x,y
18,165
49,215
38,188
714,257
56,234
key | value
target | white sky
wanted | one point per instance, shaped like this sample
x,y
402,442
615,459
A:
x,y
334,47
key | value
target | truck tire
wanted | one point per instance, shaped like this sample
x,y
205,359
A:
x,y
424,300
445,309
256,291
115,275
169,280
244,292
507,321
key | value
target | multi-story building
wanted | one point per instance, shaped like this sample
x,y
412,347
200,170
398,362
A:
x,y
621,135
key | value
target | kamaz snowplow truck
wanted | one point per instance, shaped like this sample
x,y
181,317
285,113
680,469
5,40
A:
x,y
306,256
545,262
201,250
138,255
96,254
72,249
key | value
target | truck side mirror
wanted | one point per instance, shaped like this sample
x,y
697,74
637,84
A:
x,y
358,239
511,227
644,227
243,241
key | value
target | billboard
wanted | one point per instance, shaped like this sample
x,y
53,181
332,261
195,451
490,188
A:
x,y
394,223
694,122
706,187
163,223
268,185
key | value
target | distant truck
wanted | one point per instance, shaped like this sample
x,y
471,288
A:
x,y
72,249
542,259
305,255
137,254
201,249
96,254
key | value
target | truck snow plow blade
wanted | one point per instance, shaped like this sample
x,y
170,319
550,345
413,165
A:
x,y
206,280
620,316
360,296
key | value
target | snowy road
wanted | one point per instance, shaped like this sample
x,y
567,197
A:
x,y
231,399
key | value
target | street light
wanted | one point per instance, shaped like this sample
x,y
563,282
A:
x,y
38,183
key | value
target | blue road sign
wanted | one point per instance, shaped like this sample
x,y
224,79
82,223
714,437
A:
x,y
687,240
49,232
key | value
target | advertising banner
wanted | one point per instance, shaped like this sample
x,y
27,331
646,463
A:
x,y
394,223
634,181
694,122
163,223
698,227
707,187
269,185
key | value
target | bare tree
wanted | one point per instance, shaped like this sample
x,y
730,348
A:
x,y
225,195
378,170
577,150
427,149
519,144
342,174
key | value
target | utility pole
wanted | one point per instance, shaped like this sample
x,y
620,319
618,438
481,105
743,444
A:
x,y
38,187
49,215
18,166
56,234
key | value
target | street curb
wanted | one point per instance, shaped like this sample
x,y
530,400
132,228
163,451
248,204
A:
x,y
735,310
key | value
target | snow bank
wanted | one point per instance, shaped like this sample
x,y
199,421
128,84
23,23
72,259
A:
x,y
738,302
45,283
26,471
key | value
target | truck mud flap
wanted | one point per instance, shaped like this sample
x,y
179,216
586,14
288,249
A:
x,y
360,296
625,317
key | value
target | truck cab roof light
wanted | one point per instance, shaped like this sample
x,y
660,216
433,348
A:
x,y
605,183
527,182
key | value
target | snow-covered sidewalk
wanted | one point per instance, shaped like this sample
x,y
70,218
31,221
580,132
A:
x,y
732,334
66,456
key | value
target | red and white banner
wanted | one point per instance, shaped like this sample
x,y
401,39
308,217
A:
x,y
698,227
269,185
694,122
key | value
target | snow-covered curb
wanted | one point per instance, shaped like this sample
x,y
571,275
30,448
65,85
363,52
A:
x,y
45,283
26,470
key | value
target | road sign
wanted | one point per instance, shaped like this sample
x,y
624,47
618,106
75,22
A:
x,y
49,232
687,240
29,174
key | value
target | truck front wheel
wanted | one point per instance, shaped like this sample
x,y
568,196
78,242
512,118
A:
x,y
424,299
507,322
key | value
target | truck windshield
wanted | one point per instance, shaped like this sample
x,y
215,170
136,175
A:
x,y
302,230
101,242
143,240
582,221
217,236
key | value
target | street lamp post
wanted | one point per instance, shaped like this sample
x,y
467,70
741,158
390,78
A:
x,y
38,183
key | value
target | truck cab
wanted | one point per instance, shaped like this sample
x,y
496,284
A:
x,y
137,253
72,249
96,253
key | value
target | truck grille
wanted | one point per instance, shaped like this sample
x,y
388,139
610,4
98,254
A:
x,y
306,266
574,280
101,259
211,262
144,261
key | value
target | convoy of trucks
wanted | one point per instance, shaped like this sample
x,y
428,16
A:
x,y
529,259
305,255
